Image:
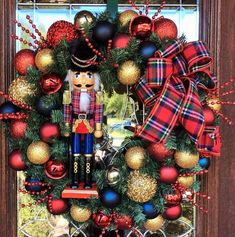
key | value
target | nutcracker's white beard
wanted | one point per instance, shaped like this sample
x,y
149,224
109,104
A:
x,y
85,100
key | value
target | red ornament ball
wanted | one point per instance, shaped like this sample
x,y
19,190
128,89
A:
x,y
49,131
121,41
15,161
174,198
57,206
165,28
209,116
101,220
159,152
168,174
61,30
123,222
50,84
24,59
55,169
18,128
172,213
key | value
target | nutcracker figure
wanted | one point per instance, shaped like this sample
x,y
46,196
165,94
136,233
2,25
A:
x,y
83,111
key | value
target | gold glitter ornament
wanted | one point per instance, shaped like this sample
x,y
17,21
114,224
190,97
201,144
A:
x,y
214,103
38,152
44,60
141,187
80,214
128,73
185,159
20,89
135,157
186,182
154,224
112,175
126,16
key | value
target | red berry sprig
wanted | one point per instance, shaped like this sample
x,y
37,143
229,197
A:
x,y
41,200
201,172
109,46
15,37
133,5
16,116
147,7
159,10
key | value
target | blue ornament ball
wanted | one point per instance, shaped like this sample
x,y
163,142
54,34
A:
x,y
149,210
110,198
147,49
32,186
204,162
45,109
8,107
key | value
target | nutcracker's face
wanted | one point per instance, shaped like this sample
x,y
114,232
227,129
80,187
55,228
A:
x,y
83,81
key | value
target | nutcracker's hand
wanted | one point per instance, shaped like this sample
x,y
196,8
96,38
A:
x,y
67,130
98,134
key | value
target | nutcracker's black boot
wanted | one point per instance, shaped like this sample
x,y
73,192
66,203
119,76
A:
x,y
75,172
88,171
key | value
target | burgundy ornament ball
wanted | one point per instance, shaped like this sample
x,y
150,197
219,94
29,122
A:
x,y
55,169
57,206
168,174
209,116
174,198
123,222
18,128
49,131
15,160
172,213
158,151
24,59
101,220
61,30
121,41
50,84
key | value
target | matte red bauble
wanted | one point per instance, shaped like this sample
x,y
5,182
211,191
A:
x,y
24,59
209,116
172,213
141,27
158,151
168,174
50,84
55,169
61,30
101,220
174,198
123,222
165,28
18,128
57,206
49,131
16,161
121,41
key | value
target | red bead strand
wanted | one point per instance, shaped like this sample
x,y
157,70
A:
x,y
159,10
15,37
133,5
201,172
224,117
225,84
147,7
227,93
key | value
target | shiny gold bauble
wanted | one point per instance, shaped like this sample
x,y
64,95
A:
x,y
186,181
154,224
44,60
38,152
128,73
135,157
126,16
141,187
20,89
112,175
185,159
82,18
80,214
214,103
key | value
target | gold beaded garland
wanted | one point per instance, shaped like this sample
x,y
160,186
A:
x,y
44,59
135,157
126,16
80,214
185,159
154,224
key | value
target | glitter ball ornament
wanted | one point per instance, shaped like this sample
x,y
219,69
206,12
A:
x,y
121,41
168,175
185,159
48,131
186,182
20,89
149,210
172,213
103,31
15,160
80,214
110,198
18,128
83,18
61,30
123,222
112,175
126,16
33,185
165,28
38,152
209,116
128,73
57,206
44,60
135,157
173,198
214,103
158,151
55,169
141,187
50,84
24,59
204,162
101,220
154,224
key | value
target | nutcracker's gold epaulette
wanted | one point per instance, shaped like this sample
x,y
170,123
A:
x,y
99,97
67,97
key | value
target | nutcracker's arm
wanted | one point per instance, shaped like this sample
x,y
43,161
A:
x,y
67,110
99,110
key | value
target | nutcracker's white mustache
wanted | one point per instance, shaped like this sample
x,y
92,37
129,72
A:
x,y
84,102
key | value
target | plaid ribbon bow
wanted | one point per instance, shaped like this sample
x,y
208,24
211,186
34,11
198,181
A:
x,y
170,88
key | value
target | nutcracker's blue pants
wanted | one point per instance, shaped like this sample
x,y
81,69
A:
x,y
82,143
